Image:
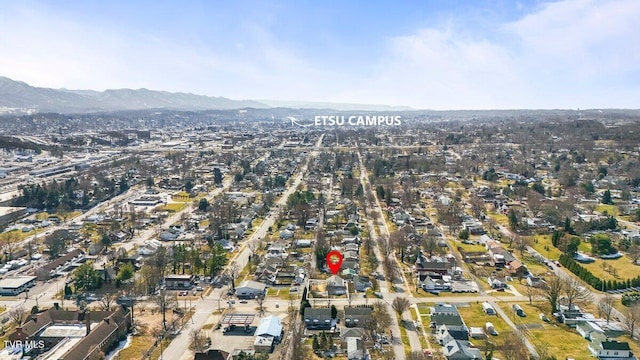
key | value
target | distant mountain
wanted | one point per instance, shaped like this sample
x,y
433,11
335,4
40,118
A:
x,y
17,96
20,97
333,106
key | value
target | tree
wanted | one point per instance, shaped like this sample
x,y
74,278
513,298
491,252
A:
x,y
56,243
165,300
605,306
105,240
513,219
234,271
200,342
631,316
107,300
379,321
87,277
188,186
463,234
16,314
125,272
217,176
606,198
334,312
299,350
555,288
217,260
203,204
531,293
150,182
574,292
634,253
514,347
416,355
477,206
521,243
400,305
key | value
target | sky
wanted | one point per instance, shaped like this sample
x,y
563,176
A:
x,y
427,54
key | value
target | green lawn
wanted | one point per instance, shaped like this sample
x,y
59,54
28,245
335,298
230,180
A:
x,y
609,209
473,316
624,268
470,247
174,207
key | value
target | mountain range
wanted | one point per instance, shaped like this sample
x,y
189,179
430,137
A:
x,y
20,97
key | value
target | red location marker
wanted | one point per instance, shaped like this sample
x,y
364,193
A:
x,y
334,261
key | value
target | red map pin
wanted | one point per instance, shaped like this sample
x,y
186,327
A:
x,y
334,261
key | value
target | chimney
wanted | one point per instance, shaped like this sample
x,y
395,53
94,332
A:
x,y
87,321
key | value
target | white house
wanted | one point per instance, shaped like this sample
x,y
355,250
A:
x,y
610,349
587,328
250,289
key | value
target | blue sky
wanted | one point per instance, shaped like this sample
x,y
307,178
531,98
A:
x,y
472,54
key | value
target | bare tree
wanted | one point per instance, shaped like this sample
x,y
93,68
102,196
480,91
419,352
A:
x,y
298,349
400,305
531,293
380,319
16,314
234,271
521,243
514,347
555,287
107,300
634,253
165,300
575,292
605,306
260,301
477,206
631,316
416,355
200,342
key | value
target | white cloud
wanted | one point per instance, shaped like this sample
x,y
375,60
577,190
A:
x,y
576,53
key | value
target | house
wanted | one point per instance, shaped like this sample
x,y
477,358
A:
x,y
605,349
89,333
357,316
179,282
588,328
427,283
355,332
212,354
317,319
426,266
250,289
336,285
355,349
16,284
362,283
517,269
536,282
461,350
270,326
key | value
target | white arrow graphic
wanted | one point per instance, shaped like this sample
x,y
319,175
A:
x,y
294,121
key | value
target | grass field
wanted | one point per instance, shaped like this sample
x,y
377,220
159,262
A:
x,y
470,247
624,268
609,209
474,317
174,207
499,218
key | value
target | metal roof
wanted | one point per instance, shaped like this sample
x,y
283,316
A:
x,y
238,319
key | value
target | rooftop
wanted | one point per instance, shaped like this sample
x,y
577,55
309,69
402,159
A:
x,y
15,282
